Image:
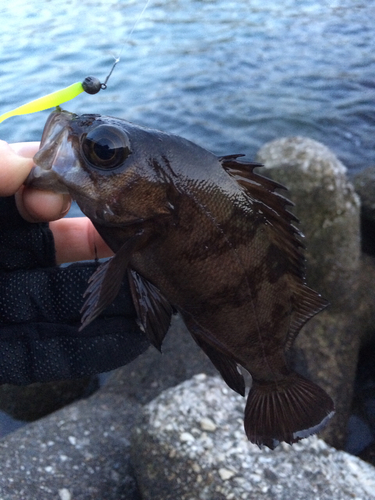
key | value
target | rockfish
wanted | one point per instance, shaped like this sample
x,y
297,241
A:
x,y
205,236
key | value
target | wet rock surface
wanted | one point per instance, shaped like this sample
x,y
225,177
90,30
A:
x,y
190,444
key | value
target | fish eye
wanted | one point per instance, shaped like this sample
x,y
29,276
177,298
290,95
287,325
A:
x,y
106,147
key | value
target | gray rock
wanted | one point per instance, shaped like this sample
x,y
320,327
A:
x,y
364,184
190,444
152,372
78,453
328,208
82,452
38,400
365,312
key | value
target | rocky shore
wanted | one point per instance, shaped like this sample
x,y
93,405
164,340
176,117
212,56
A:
x,y
154,432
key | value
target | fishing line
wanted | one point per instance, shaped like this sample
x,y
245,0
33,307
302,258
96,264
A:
x,y
131,32
90,85
118,58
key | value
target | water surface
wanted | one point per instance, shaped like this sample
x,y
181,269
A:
x,y
229,75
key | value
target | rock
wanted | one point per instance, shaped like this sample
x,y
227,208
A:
x,y
365,312
222,464
82,452
361,428
35,401
152,372
328,208
364,184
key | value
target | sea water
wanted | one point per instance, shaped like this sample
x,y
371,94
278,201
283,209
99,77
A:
x,y
227,74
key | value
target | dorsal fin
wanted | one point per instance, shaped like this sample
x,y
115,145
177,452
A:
x,y
262,194
246,169
309,303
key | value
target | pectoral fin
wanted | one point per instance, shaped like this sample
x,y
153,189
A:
x,y
153,309
105,283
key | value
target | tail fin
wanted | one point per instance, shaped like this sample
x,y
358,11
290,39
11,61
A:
x,y
286,410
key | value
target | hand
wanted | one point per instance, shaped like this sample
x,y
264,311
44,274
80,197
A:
x,y
40,311
75,238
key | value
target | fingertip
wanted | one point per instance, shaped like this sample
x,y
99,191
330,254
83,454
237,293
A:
x,y
42,206
77,239
25,149
13,169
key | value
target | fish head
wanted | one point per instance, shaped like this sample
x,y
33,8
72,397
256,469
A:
x,y
104,164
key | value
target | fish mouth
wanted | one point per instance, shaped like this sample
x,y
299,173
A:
x,y
56,157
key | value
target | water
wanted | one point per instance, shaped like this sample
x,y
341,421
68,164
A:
x,y
229,75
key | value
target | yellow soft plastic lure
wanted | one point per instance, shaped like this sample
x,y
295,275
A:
x,y
91,85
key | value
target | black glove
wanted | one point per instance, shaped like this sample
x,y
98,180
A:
x,y
39,311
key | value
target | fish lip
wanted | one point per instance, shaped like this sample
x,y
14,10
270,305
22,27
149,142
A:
x,y
56,121
44,174
56,155
46,180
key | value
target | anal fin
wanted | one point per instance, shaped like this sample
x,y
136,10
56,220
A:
x,y
223,362
153,309
226,366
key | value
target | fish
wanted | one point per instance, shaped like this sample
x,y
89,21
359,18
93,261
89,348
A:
x,y
202,235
